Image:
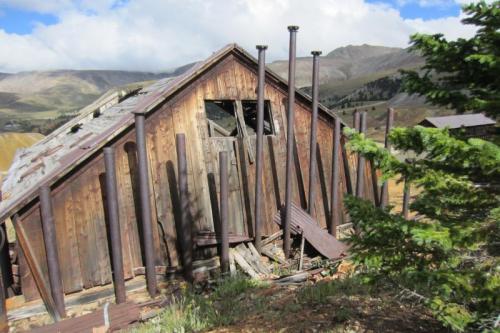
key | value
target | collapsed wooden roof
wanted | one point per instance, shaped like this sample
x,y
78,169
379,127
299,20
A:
x,y
69,146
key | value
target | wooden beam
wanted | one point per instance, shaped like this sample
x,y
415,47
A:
x,y
35,269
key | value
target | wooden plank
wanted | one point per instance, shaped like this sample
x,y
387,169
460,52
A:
x,y
67,243
243,264
35,269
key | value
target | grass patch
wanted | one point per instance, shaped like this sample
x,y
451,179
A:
x,y
195,312
320,292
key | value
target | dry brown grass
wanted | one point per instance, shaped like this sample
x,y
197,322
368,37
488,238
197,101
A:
x,y
10,142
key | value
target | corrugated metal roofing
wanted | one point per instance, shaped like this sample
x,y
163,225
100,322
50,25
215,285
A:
x,y
462,120
60,152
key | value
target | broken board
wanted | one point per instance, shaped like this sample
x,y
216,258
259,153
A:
x,y
320,239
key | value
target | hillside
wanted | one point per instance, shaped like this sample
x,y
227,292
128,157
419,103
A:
x,y
32,101
350,76
10,142
348,68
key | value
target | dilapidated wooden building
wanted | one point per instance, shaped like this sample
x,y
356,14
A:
x,y
214,105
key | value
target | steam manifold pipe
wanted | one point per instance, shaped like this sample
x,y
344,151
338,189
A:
x,y
314,132
384,192
50,241
334,212
260,137
114,224
224,229
360,179
290,138
147,231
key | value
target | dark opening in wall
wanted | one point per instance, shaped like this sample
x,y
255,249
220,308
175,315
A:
x,y
221,117
250,116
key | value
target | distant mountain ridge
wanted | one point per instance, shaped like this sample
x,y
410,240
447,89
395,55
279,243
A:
x,y
41,100
363,63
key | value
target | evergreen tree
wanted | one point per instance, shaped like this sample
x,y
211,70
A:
x,y
462,74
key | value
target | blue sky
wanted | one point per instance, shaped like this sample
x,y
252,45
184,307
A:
x,y
156,35
22,21
19,21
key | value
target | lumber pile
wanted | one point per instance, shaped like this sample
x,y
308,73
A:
x,y
249,260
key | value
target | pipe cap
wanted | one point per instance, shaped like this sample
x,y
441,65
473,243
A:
x,y
316,53
261,47
293,28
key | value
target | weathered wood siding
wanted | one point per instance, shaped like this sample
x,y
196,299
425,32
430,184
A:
x,y
79,207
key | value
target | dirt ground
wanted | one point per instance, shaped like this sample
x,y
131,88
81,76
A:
x,y
286,312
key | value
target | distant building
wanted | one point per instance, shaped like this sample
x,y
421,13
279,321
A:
x,y
469,125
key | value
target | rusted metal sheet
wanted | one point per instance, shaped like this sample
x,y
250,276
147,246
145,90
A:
x,y
320,239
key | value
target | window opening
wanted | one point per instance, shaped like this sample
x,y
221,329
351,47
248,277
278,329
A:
x,y
221,117
250,116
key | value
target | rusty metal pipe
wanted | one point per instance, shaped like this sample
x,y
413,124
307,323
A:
x,y
224,253
186,230
406,199
355,120
384,192
361,161
50,241
334,213
147,231
114,225
4,323
290,138
260,139
313,141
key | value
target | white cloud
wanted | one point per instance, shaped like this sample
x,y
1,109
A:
x,y
156,35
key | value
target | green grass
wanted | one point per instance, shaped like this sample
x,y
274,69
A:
x,y
321,292
196,312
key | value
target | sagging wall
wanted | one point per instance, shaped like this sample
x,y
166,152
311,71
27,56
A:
x,y
78,199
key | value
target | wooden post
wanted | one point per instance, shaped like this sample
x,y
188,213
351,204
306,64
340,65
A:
x,y
50,242
114,225
290,139
361,162
334,213
259,146
224,253
36,271
186,230
147,231
384,193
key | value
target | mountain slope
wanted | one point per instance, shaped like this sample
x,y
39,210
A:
x,y
31,100
353,65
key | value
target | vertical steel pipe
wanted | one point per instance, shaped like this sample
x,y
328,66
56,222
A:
x,y
361,161
260,139
384,193
334,213
224,253
4,323
114,225
186,231
290,138
355,120
314,131
406,199
50,241
147,230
